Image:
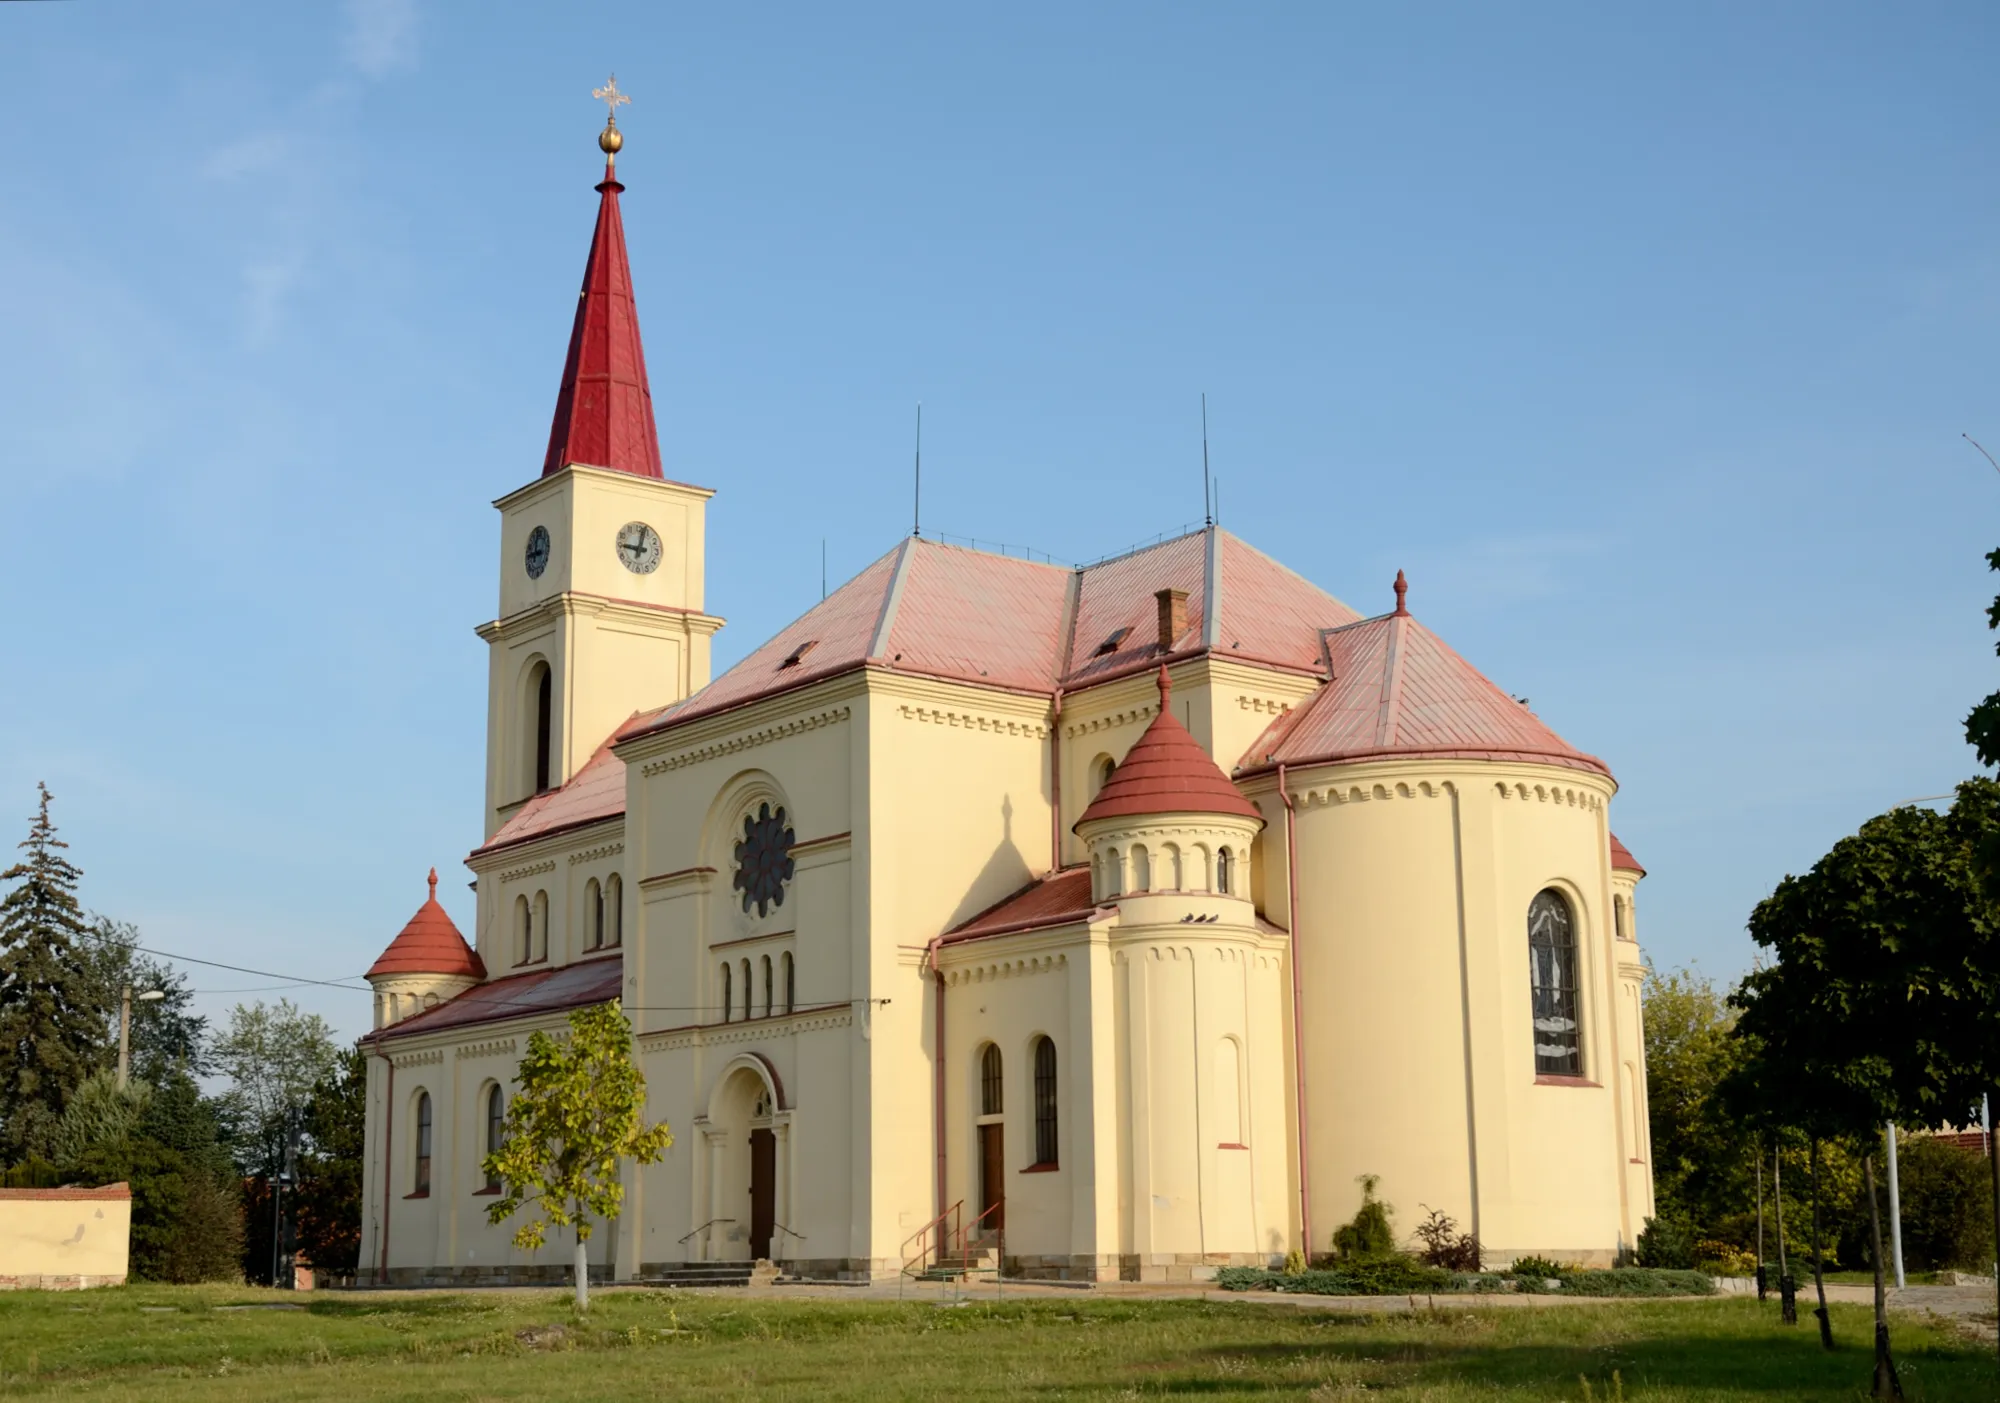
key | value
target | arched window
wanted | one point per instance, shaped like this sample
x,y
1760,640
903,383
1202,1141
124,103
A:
x,y
1622,917
541,924
1114,873
791,985
1045,1102
765,970
614,898
728,1007
989,1081
1229,1091
496,1131
1552,977
746,988
544,720
1142,869
1225,871
423,1142
1105,771
1170,868
593,912
524,922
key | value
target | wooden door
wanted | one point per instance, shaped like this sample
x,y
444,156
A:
x,y
763,1190
992,1177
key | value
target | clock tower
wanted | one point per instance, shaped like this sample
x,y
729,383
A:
x,y
601,557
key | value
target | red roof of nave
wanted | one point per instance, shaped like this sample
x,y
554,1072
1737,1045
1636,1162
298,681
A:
x,y
604,409
1397,690
1167,771
1622,859
1054,900
578,985
596,791
429,944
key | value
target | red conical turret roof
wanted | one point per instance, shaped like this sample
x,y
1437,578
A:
x,y
1167,772
429,944
604,411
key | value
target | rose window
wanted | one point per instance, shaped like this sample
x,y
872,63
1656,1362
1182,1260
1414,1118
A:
x,y
764,859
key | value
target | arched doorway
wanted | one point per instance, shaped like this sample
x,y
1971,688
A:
x,y
748,1128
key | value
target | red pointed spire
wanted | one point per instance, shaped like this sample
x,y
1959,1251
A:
x,y
604,411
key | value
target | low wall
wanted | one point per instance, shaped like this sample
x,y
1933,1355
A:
x,y
64,1239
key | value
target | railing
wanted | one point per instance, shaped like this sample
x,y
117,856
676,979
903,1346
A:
x,y
780,1227
704,1228
945,1240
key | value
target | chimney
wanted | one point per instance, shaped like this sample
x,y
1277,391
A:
x,y
1173,616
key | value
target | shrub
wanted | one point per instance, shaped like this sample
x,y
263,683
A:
x,y
1947,1205
1719,1258
1369,1233
1444,1245
1539,1269
1636,1281
1667,1244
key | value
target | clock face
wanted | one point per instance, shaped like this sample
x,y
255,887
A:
x,y
538,552
639,547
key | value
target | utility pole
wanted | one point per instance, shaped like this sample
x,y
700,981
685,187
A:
x,y
125,1029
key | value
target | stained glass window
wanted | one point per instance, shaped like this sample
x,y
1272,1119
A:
x,y
1552,975
1045,1102
764,859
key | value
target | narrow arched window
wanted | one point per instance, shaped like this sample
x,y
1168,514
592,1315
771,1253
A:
x,y
614,898
524,922
746,989
1170,867
765,970
728,1006
1552,977
544,722
1142,869
1114,873
791,985
1622,915
1045,1102
1105,772
541,925
1225,871
989,1081
593,908
496,1131
423,1142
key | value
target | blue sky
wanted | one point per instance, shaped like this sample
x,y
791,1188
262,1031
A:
x,y
1643,342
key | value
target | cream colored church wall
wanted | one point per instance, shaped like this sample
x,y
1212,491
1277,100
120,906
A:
x,y
1419,1052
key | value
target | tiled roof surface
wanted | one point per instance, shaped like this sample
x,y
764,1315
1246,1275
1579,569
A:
x,y
1167,771
604,407
972,616
517,996
1398,690
1054,900
1622,859
596,791
429,944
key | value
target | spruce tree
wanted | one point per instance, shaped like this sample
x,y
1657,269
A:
x,y
50,1029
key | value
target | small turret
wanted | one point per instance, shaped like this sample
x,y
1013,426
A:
x,y
426,964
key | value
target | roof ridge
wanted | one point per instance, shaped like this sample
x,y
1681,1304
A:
x,y
1211,588
1278,564
1389,718
891,597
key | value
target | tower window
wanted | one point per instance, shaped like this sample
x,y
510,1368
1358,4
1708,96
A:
x,y
524,922
540,921
989,1081
593,905
423,1143
614,897
1045,1102
1225,871
544,719
1552,980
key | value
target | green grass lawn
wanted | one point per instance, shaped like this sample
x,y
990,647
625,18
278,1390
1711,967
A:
x,y
161,1344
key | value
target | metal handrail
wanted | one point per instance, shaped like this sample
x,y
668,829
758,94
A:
x,y
704,1228
923,1236
780,1227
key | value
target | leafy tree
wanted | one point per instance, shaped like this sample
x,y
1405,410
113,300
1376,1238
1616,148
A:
x,y
1701,1169
578,1115
273,1057
101,1111
328,1198
50,1034
164,1033
1944,1201
186,1224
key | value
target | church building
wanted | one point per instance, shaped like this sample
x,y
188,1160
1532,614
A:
x,y
1106,923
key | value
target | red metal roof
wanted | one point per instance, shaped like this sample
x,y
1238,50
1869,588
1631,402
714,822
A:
x,y
604,410
1055,900
429,944
588,982
1622,859
995,620
596,791
1398,690
1167,771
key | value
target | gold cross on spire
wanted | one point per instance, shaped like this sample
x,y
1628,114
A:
x,y
610,139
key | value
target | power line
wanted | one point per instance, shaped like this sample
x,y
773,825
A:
x,y
347,983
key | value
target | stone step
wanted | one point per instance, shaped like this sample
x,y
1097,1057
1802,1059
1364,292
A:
x,y
758,1273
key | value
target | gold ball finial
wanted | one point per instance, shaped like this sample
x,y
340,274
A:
x,y
610,140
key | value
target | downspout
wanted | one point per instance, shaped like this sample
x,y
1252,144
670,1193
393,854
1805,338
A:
x,y
1298,1016
1055,786
937,1074
388,1159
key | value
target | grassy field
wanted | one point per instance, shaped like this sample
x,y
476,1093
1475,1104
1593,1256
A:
x,y
162,1344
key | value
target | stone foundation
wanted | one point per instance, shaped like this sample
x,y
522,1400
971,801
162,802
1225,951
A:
x,y
1190,1266
58,1283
